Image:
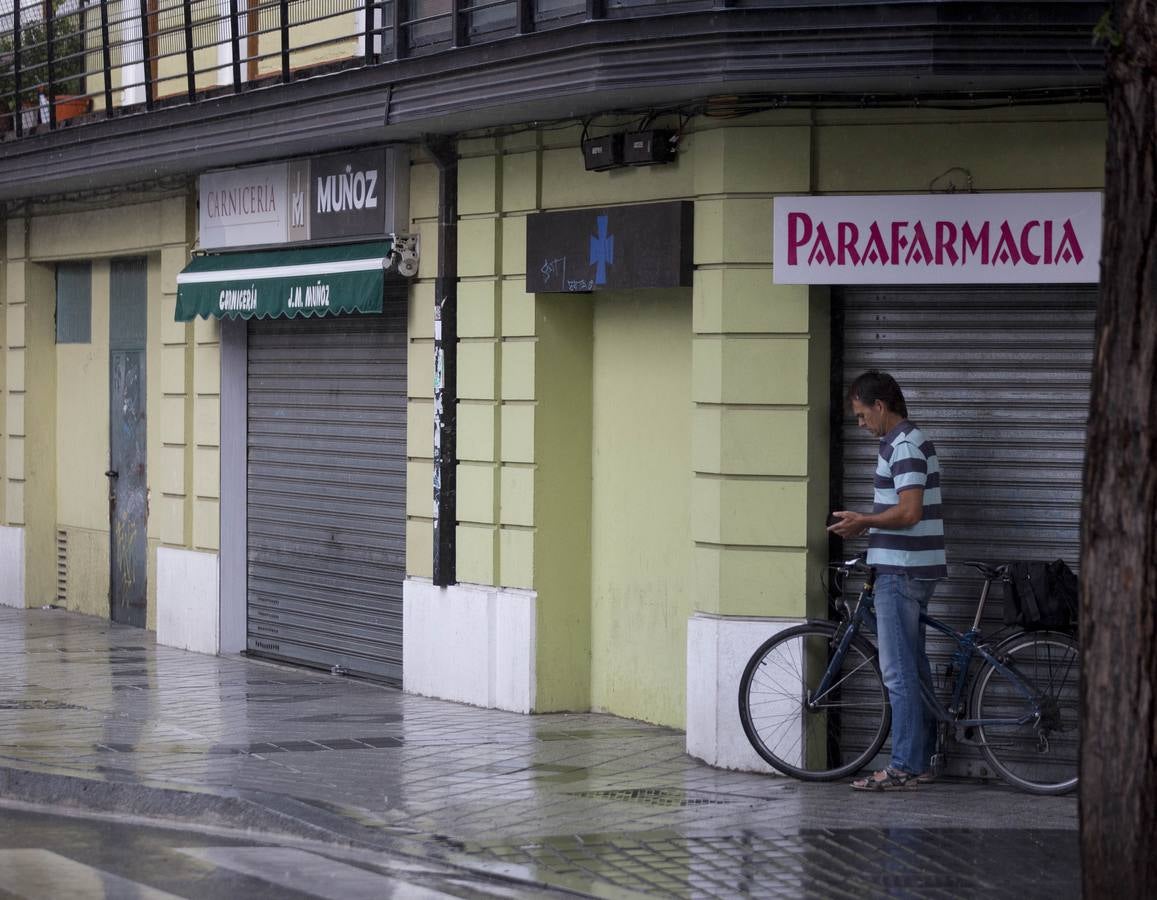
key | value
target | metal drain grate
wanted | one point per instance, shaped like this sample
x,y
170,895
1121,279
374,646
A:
x,y
655,797
36,704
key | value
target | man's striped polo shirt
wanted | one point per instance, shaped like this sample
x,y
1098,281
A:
x,y
907,460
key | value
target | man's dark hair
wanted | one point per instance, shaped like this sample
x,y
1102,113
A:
x,y
873,386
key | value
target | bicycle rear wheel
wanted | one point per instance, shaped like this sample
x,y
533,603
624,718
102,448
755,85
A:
x,y
1040,756
831,736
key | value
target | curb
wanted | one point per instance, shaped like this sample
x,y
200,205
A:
x,y
251,811
270,816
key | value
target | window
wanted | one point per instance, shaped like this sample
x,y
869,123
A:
x,y
74,303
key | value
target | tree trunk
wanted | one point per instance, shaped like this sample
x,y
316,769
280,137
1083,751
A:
x,y
1119,514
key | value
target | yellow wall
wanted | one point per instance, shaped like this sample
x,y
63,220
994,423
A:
x,y
57,400
553,543
315,43
641,593
15,354
739,520
82,378
7,363
420,375
39,429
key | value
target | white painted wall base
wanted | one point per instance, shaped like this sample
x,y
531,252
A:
x,y
12,566
470,643
718,648
188,600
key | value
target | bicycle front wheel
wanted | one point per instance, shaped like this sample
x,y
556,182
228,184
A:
x,y
802,731
1041,754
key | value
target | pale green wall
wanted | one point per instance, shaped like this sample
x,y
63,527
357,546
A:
x,y
14,370
641,592
9,365
82,377
56,399
1016,149
82,374
39,427
4,364
753,386
558,555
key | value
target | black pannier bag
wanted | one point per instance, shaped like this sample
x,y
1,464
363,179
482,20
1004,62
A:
x,y
1040,595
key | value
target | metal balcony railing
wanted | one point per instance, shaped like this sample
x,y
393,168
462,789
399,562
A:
x,y
63,62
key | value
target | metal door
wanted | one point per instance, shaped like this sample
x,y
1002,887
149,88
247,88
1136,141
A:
x,y
326,490
998,378
128,488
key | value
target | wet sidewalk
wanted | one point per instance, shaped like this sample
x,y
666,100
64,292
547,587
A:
x,y
98,716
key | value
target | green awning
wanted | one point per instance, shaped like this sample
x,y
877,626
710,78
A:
x,y
313,281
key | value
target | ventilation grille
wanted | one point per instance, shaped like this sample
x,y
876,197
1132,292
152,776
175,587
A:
x,y
61,568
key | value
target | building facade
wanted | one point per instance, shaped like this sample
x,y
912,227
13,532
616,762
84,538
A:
x,y
642,470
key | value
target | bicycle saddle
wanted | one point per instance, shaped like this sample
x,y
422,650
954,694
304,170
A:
x,y
985,569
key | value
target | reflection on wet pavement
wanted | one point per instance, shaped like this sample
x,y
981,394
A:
x,y
42,873
87,699
53,857
820,863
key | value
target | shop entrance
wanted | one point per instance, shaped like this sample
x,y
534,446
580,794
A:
x,y
128,489
326,451
998,378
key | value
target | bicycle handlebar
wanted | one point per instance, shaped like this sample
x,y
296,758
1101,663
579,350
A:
x,y
858,564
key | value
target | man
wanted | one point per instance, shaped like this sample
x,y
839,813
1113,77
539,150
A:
x,y
906,547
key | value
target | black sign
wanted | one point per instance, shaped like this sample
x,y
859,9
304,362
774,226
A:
x,y
611,249
347,194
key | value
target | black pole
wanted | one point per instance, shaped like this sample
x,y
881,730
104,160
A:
x,y
17,113
596,9
146,54
106,59
190,60
401,36
370,7
235,46
525,16
445,155
50,56
284,12
458,37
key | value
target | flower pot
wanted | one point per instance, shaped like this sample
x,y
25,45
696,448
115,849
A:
x,y
69,107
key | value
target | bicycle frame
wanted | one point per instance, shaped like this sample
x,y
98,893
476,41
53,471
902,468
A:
x,y
968,646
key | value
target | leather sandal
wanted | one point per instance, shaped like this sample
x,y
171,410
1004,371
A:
x,y
888,779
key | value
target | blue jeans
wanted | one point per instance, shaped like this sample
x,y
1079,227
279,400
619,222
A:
x,y
904,664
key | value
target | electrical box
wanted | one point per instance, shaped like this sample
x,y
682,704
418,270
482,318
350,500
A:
x,y
603,152
649,148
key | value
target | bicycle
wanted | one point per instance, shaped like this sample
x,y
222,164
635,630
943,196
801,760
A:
x,y
813,703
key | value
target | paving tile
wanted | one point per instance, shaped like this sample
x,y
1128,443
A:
x,y
610,800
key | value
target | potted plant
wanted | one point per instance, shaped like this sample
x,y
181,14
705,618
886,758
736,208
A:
x,y
7,82
67,88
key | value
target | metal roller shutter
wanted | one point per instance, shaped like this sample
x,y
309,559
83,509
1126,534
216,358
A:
x,y
326,490
999,380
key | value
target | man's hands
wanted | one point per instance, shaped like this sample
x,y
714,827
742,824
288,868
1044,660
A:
x,y
905,514
848,524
